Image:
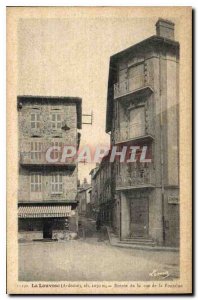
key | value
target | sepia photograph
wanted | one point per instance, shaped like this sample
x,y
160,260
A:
x,y
95,104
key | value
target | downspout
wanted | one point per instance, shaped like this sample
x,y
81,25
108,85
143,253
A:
x,y
161,145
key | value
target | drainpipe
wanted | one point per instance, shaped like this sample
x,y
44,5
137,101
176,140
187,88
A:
x,y
161,145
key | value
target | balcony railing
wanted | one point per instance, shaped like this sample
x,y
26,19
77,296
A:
x,y
138,178
130,85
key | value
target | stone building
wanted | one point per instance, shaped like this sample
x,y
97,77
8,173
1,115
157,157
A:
x,y
101,191
142,109
84,200
47,187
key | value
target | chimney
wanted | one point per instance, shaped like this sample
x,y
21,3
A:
x,y
165,29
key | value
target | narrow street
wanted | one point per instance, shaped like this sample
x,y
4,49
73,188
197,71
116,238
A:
x,y
91,257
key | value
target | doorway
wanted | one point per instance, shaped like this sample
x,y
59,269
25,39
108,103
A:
x,y
139,217
47,229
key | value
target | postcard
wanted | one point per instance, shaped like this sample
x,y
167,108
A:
x,y
99,162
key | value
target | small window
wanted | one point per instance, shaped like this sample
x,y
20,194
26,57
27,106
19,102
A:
x,y
56,121
35,182
57,183
35,120
36,150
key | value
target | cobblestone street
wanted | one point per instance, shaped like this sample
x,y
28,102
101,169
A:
x,y
92,258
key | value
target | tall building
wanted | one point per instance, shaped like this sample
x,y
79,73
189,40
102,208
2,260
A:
x,y
142,110
47,182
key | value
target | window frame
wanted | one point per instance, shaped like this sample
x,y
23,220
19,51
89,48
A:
x,y
57,153
57,184
55,123
36,121
36,185
36,148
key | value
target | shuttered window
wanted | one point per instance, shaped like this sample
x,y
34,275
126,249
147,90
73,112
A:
x,y
36,150
35,120
56,121
57,184
57,152
137,122
35,182
136,77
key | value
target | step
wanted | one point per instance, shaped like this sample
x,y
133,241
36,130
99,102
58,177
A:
x,y
137,242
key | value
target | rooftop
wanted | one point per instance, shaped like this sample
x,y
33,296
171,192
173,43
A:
x,y
45,99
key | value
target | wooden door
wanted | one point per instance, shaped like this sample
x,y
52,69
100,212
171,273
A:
x,y
139,217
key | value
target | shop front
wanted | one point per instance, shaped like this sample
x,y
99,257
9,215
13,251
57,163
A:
x,y
40,222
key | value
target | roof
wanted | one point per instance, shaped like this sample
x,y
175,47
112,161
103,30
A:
x,y
152,42
44,99
49,211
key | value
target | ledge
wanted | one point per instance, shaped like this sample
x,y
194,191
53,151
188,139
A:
x,y
143,91
147,137
124,188
48,167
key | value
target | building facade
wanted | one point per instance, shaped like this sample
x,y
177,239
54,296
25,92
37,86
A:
x,y
47,187
142,109
84,199
101,196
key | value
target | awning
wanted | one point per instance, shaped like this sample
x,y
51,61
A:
x,y
48,211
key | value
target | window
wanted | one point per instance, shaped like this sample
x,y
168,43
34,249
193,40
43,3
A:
x,y
35,120
136,76
35,183
36,150
57,183
56,121
57,152
137,122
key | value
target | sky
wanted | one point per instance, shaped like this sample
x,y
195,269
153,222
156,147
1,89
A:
x,y
70,57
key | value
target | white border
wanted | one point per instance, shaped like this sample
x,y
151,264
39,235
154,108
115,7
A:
x,y
3,5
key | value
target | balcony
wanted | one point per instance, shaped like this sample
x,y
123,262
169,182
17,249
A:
x,y
130,134
139,86
141,177
39,160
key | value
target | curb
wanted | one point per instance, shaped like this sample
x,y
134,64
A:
x,y
139,247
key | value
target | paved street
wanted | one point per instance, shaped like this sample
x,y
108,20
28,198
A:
x,y
92,258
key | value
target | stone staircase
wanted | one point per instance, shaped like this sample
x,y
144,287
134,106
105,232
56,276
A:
x,y
138,241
